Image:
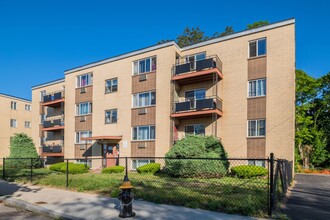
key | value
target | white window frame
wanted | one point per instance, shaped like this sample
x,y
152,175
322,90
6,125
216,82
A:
x,y
138,99
138,66
13,123
194,129
13,105
78,139
89,80
89,106
257,132
27,124
260,163
137,163
137,132
27,107
109,89
111,113
257,55
257,88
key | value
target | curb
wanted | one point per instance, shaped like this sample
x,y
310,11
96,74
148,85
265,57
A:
x,y
20,204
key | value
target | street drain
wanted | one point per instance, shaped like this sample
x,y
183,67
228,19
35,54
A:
x,y
41,203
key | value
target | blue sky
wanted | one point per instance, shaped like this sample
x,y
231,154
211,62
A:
x,y
41,39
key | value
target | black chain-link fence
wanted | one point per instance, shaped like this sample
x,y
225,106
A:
x,y
225,185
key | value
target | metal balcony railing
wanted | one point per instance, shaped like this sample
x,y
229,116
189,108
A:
x,y
53,123
198,65
53,96
206,103
52,149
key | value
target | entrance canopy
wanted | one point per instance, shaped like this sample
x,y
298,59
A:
x,y
103,138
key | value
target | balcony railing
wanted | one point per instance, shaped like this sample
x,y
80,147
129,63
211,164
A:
x,y
52,149
199,65
53,123
207,103
53,96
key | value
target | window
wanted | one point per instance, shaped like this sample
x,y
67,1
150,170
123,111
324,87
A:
x,y
144,66
111,85
144,133
13,123
27,124
28,108
83,134
257,128
111,116
257,162
84,108
84,80
13,105
195,129
138,163
257,48
257,88
144,99
193,58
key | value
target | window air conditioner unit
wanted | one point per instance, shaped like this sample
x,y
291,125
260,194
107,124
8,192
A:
x,y
83,90
142,111
142,145
82,118
143,78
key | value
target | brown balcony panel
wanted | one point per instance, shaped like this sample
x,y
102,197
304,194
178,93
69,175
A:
x,y
197,76
54,104
196,114
52,154
53,128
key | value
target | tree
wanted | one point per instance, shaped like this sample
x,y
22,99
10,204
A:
x,y
21,146
228,30
190,36
256,24
311,108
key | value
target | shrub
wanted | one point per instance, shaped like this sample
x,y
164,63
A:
x,y
197,147
75,168
248,171
113,169
57,167
149,168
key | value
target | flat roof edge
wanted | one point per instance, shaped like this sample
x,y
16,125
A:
x,y
242,33
129,54
14,97
48,83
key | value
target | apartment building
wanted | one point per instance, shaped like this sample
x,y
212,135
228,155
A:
x,y
15,118
239,88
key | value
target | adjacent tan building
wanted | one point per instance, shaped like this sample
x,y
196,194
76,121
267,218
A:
x,y
15,117
239,88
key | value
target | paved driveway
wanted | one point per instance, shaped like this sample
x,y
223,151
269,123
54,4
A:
x,y
309,198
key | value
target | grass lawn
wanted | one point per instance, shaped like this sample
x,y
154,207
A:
x,y
227,194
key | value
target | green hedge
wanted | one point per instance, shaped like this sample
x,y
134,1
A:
x,y
149,168
177,165
113,169
248,171
73,168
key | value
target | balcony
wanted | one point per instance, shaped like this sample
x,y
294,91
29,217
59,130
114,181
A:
x,y
52,150
200,70
198,108
53,125
54,99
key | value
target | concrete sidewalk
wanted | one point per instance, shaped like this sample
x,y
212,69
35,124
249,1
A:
x,y
65,204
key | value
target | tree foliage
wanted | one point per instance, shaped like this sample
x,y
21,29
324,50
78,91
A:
x,y
21,146
312,118
256,24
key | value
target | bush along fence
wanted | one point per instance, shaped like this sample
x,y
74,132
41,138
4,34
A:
x,y
225,185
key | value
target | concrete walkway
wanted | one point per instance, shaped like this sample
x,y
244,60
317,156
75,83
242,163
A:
x,y
65,204
309,198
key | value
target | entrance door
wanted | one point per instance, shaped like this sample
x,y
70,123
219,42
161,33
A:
x,y
111,154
